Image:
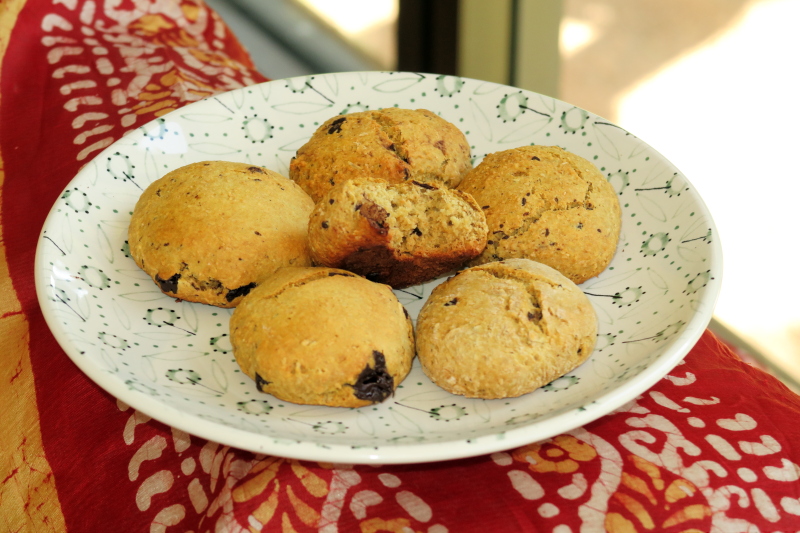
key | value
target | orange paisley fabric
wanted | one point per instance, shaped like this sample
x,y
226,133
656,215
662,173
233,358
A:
x,y
711,447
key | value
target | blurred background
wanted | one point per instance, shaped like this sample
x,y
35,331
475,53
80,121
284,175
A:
x,y
708,83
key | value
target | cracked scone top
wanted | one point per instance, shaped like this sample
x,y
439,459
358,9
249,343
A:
x,y
323,336
392,145
209,232
549,205
504,329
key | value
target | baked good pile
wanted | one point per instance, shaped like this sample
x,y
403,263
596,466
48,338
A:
x,y
381,200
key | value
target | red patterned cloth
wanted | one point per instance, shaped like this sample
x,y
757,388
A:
x,y
708,448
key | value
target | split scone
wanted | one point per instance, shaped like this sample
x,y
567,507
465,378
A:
x,y
401,235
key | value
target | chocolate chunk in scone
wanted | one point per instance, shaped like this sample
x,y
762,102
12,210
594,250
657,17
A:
x,y
323,336
375,383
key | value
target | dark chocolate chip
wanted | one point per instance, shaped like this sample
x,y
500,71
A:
x,y
535,158
391,147
336,125
546,232
331,201
535,316
375,215
454,301
416,231
375,383
261,382
256,170
524,201
170,284
324,224
423,185
257,233
239,291
485,207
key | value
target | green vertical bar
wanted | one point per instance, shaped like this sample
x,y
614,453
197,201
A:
x,y
484,39
536,50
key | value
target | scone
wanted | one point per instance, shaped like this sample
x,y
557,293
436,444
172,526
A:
x,y
504,329
210,232
549,205
392,144
398,234
323,336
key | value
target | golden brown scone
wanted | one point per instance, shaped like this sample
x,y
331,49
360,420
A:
x,y
323,336
209,232
504,329
398,234
392,145
549,205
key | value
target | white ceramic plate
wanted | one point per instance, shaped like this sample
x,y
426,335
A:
x,y
172,360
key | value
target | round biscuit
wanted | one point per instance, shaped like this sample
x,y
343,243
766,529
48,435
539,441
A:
x,y
211,231
549,205
504,329
323,336
392,145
